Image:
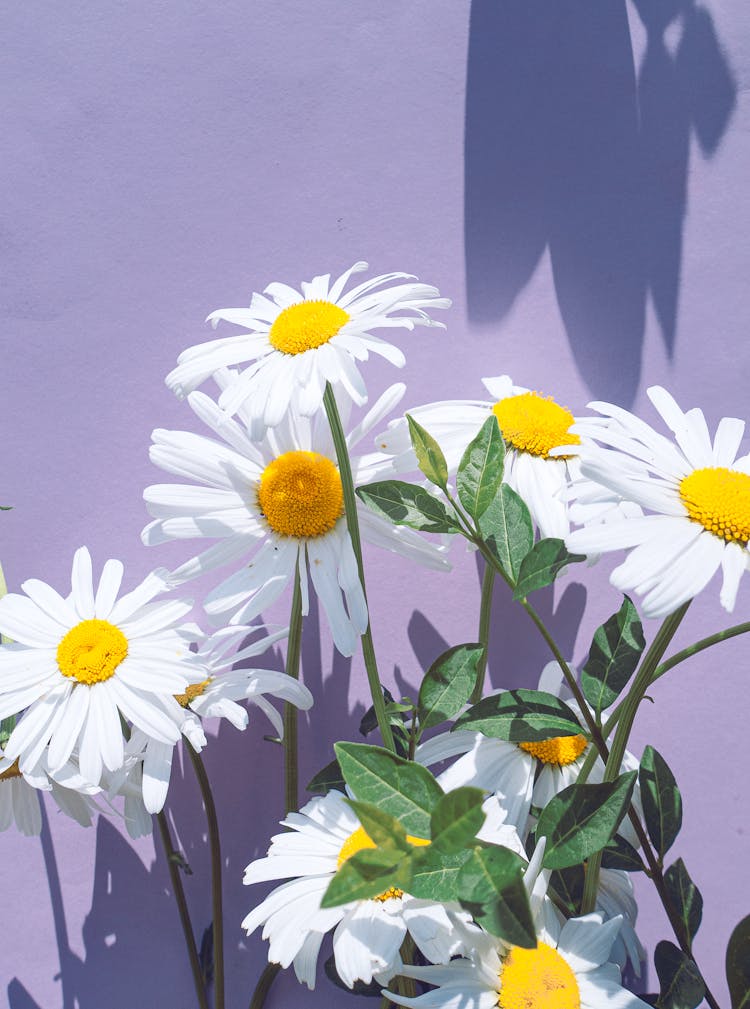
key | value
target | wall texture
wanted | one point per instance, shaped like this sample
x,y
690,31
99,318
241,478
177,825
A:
x,y
573,174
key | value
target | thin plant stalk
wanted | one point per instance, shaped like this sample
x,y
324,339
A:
x,y
485,615
216,894
291,714
179,896
263,986
352,521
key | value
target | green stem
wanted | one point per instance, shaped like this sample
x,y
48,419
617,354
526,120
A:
x,y
614,761
675,660
216,894
173,859
352,521
293,650
699,646
485,614
263,986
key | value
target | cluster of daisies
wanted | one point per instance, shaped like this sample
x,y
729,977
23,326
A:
x,y
98,687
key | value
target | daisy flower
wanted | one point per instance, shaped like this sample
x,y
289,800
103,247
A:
x,y
570,967
299,340
217,696
80,662
697,493
523,775
367,933
20,795
532,426
277,507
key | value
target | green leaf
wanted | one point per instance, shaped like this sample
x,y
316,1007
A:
x,y
448,683
581,819
620,854
542,565
394,714
568,885
403,789
613,657
382,828
738,965
480,471
679,979
456,819
521,716
430,458
406,504
368,873
660,797
435,873
327,778
490,886
507,530
685,896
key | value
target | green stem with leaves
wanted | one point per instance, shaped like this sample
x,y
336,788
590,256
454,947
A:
x,y
291,715
352,521
216,891
485,615
174,859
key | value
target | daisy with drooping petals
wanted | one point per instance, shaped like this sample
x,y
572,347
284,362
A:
x,y
80,662
217,696
696,490
278,507
570,967
368,933
20,795
299,340
532,426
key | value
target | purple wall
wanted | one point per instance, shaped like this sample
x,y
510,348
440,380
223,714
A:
x,y
164,159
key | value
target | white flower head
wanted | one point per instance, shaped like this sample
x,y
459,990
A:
x,y
523,775
533,427
80,662
277,507
367,934
297,341
570,967
697,494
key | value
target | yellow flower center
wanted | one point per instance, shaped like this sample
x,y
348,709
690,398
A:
x,y
359,840
560,750
305,326
719,499
537,979
300,494
534,424
11,772
193,691
91,651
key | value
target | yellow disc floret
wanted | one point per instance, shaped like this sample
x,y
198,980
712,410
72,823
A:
x,y
534,424
306,325
194,690
560,750
537,979
719,499
360,840
91,651
300,494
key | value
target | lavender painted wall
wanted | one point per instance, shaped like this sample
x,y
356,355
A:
x,y
163,159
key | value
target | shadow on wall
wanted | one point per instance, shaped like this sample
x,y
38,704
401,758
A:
x,y
568,149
